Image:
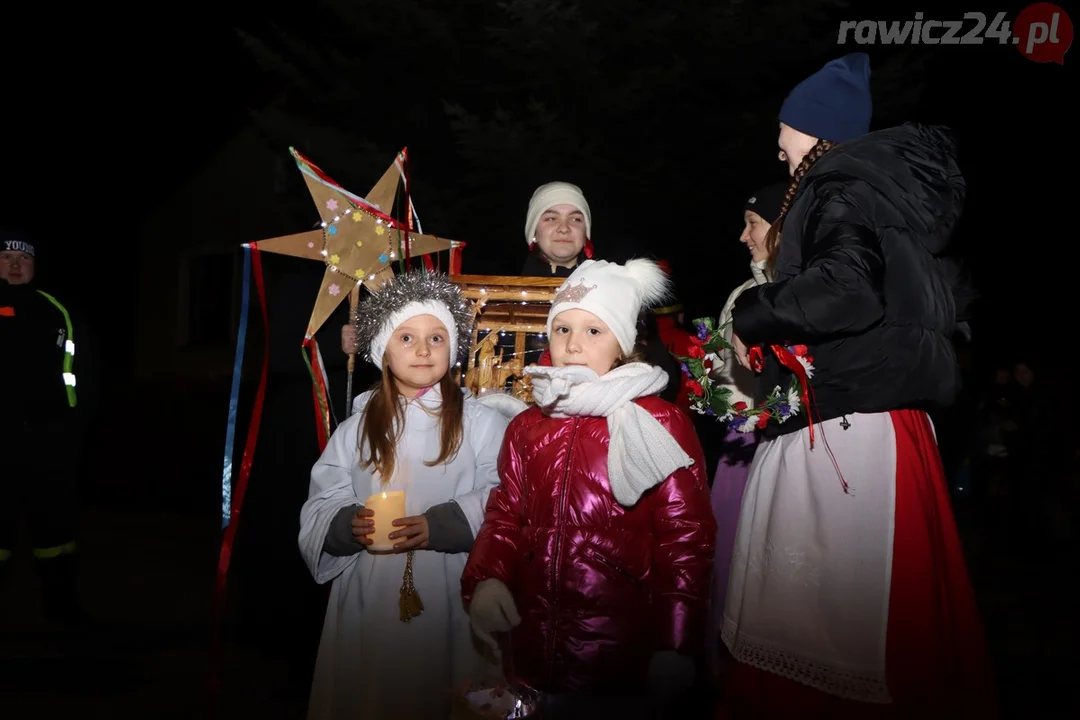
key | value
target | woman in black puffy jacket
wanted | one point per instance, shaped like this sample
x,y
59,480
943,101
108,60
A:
x,y
849,594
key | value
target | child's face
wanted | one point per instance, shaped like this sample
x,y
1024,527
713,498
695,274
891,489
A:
x,y
418,354
580,338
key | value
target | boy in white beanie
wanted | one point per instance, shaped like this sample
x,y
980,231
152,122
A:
x,y
558,225
596,549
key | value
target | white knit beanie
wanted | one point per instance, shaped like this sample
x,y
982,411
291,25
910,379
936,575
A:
x,y
550,195
408,295
614,293
400,317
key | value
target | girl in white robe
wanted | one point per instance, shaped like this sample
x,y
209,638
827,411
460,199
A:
x,y
371,664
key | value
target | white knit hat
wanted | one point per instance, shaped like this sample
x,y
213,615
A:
x,y
399,318
614,293
547,197
414,293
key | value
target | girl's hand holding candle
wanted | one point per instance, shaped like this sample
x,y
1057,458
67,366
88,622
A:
x,y
414,532
363,525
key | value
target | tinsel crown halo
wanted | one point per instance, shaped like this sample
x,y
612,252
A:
x,y
375,310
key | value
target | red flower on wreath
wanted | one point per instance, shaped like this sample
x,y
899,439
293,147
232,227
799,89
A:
x,y
696,352
694,387
763,418
802,351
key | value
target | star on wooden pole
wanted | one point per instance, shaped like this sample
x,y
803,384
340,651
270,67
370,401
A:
x,y
358,239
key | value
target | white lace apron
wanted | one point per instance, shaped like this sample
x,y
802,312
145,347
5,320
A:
x,y
808,595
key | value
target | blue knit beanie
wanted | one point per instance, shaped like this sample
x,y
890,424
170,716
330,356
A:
x,y
834,103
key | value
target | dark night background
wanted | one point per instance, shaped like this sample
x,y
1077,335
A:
x,y
665,117
664,113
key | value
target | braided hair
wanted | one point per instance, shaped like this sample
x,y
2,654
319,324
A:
x,y
772,238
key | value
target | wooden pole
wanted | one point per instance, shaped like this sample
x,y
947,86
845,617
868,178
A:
x,y
354,300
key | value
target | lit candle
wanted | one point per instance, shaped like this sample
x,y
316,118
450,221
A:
x,y
388,507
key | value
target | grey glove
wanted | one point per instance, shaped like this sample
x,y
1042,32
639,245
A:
x,y
340,542
492,610
670,674
448,528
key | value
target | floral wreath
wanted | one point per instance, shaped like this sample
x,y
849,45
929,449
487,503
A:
x,y
711,398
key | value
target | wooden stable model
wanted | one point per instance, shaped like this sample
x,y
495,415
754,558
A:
x,y
509,333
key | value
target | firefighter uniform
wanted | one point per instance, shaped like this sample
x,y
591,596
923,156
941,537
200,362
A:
x,y
39,457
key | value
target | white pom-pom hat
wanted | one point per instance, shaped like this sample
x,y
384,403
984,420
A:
x,y
614,293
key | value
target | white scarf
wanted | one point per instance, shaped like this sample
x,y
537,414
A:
x,y
641,453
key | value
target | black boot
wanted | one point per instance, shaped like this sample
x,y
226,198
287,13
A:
x,y
60,589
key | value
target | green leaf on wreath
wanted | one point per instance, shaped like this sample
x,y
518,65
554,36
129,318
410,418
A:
x,y
717,344
719,404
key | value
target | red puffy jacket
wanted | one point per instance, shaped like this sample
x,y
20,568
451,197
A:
x,y
599,587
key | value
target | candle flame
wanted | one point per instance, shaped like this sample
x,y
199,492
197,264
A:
x,y
384,495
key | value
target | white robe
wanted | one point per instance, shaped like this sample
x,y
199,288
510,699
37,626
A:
x,y
370,664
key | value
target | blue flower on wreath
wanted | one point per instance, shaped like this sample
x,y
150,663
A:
x,y
702,332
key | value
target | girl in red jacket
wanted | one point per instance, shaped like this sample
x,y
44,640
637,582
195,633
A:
x,y
596,549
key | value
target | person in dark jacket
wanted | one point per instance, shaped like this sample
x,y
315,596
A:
x,y
39,439
848,585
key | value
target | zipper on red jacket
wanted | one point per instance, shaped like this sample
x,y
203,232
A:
x,y
558,551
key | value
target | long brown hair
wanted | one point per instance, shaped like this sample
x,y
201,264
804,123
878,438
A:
x,y
772,238
384,417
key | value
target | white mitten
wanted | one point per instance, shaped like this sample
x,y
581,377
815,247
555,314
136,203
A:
x,y
492,610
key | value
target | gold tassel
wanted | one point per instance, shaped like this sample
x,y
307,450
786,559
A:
x,y
409,604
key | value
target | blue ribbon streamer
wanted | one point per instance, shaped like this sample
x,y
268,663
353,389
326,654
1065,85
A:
x,y
234,395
